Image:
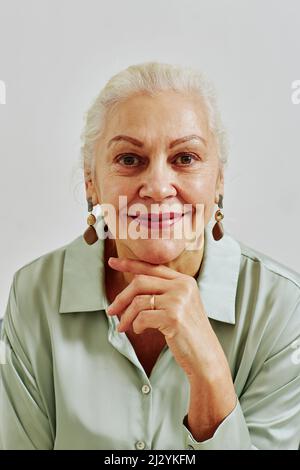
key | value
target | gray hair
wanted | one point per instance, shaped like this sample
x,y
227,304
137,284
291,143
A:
x,y
150,78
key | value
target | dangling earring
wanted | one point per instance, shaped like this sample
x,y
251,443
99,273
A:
x,y
90,235
218,230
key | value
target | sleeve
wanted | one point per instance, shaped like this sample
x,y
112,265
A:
x,y
24,423
267,414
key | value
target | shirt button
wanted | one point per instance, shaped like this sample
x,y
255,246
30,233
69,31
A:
x,y
145,389
140,445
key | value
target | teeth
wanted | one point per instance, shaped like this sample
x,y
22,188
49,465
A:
x,y
155,217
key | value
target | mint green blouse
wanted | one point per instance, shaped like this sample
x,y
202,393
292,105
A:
x,y
69,380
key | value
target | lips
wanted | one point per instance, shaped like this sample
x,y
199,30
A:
x,y
154,217
158,220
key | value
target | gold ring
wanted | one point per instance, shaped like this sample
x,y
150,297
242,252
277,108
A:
x,y
152,302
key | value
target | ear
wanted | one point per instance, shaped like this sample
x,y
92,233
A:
x,y
90,187
219,184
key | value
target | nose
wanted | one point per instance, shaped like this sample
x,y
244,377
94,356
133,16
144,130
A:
x,y
158,182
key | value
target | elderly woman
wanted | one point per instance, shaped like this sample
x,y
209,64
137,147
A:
x,y
156,341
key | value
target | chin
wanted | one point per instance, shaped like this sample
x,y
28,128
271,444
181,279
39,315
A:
x,y
158,251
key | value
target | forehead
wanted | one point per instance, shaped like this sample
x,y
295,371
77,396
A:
x,y
168,112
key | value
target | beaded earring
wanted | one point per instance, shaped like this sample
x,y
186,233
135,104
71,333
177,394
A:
x,y
218,230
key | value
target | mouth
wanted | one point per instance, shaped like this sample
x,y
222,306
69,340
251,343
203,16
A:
x,y
160,220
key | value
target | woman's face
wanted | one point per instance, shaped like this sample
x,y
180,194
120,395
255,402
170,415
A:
x,y
156,173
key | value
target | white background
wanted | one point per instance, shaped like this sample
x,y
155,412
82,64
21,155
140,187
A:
x,y
56,55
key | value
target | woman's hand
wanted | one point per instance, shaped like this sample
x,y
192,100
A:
x,y
180,315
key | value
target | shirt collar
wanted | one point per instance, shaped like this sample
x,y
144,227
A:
x,y
83,287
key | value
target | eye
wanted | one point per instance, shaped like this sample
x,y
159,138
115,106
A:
x,y
187,158
128,159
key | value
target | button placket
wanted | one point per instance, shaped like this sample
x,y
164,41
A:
x,y
145,389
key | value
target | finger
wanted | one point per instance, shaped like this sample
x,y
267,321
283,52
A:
x,y
142,267
139,303
150,319
139,285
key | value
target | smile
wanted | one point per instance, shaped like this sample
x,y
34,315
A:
x,y
158,220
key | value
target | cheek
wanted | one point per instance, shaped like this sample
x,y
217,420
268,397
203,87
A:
x,y
111,186
113,190
116,197
201,190
202,193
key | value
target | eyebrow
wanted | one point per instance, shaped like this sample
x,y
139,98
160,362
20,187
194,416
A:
x,y
138,143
